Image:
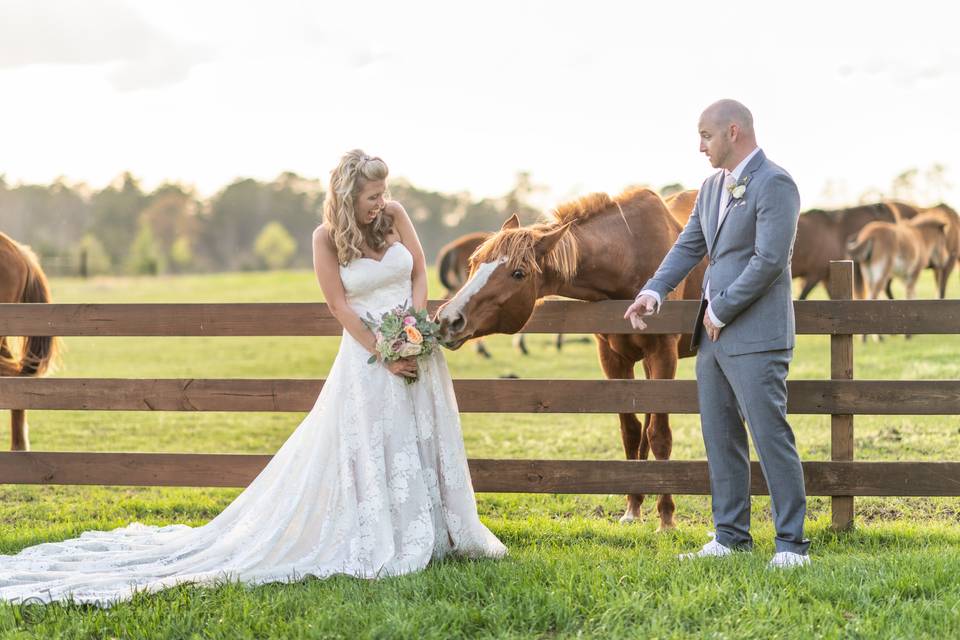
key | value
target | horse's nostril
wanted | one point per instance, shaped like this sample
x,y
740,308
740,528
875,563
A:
x,y
457,324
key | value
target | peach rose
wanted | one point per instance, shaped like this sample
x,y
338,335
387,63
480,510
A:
x,y
413,335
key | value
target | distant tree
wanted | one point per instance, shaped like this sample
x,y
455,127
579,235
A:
x,y
937,183
145,256
275,246
48,218
904,186
517,200
181,254
115,213
871,195
90,252
670,189
171,213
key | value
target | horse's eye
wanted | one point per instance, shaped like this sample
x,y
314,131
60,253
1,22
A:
x,y
518,274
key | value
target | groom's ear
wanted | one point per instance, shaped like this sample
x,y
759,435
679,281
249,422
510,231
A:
x,y
513,222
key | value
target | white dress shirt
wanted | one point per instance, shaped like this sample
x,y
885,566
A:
x,y
730,177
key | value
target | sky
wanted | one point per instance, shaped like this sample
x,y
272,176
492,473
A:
x,y
461,96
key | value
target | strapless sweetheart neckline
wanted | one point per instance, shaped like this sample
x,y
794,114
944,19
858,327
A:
x,y
384,256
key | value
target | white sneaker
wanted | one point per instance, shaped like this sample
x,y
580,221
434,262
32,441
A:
x,y
788,559
712,549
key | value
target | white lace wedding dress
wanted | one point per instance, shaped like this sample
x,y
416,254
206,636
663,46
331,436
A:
x,y
374,482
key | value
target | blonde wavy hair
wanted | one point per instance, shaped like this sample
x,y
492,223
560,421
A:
x,y
355,170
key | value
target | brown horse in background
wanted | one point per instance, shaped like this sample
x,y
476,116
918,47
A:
x,y
681,204
22,280
822,236
951,228
453,260
595,248
884,250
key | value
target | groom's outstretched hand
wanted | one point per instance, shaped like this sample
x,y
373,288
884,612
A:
x,y
643,306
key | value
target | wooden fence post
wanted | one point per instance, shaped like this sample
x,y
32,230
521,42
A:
x,y
841,368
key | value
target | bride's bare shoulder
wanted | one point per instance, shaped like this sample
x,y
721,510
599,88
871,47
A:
x,y
322,236
323,241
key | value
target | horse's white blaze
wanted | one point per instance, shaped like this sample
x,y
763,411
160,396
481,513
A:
x,y
458,303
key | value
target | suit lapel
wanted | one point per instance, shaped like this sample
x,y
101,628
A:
x,y
752,166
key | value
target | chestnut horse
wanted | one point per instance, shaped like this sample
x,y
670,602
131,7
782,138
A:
x,y
453,266
595,248
22,280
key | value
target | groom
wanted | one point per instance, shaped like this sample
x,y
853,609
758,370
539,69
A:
x,y
745,221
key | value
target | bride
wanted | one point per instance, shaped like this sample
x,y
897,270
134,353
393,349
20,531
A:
x,y
374,481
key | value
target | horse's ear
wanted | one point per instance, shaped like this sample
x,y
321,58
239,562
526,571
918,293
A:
x,y
549,240
513,222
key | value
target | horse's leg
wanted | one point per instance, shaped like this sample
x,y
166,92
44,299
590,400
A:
x,y
520,342
481,348
19,431
808,286
18,423
911,286
644,452
881,284
661,363
945,272
859,290
559,342
616,366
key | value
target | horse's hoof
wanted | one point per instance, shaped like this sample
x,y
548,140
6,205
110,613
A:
x,y
628,518
667,527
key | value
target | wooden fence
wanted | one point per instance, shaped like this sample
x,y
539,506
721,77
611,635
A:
x,y
841,397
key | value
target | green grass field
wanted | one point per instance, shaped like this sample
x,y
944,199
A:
x,y
572,570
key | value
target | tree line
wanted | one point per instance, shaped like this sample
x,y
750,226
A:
x,y
247,225
252,225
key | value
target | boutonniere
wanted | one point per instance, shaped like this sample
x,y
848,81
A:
x,y
739,188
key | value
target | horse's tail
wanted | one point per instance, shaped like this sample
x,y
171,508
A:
x,y
38,353
9,366
447,266
860,250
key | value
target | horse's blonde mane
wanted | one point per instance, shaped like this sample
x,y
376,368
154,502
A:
x,y
519,245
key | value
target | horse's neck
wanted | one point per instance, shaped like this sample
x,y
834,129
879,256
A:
x,y
585,285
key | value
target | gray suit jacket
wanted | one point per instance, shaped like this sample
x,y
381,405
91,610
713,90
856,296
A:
x,y
749,266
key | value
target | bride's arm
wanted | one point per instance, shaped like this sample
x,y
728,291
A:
x,y
408,235
328,275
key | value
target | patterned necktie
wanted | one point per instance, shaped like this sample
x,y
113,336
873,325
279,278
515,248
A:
x,y
728,182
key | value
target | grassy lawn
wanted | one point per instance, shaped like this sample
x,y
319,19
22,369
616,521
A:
x,y
572,569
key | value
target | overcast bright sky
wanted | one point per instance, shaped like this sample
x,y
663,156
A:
x,y
460,96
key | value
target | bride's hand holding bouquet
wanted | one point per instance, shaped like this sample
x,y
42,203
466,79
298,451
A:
x,y
403,335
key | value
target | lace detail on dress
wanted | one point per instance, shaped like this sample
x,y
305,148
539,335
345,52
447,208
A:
x,y
373,482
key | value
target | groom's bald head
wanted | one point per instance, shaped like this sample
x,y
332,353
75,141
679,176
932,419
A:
x,y
726,133
726,112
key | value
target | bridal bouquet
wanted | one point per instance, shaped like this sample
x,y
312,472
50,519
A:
x,y
403,332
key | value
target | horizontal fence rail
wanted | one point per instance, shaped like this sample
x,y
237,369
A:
x,y
489,475
493,475
876,397
825,317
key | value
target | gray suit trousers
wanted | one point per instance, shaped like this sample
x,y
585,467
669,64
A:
x,y
751,387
